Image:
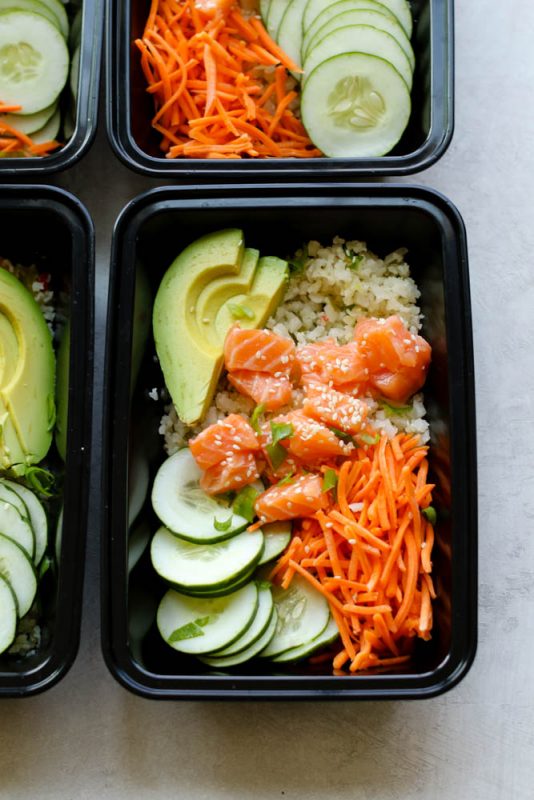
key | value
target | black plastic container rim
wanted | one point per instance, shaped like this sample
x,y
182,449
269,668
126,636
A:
x,y
459,331
86,105
118,120
77,472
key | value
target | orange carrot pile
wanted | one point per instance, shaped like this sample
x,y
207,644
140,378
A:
x,y
219,83
369,554
15,143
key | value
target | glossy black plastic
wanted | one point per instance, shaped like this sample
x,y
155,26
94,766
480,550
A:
x,y
129,110
51,228
148,235
86,105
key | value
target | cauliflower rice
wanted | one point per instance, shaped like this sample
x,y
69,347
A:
x,y
329,291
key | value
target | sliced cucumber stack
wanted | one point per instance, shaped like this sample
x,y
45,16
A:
x,y
326,637
8,614
223,662
334,10
303,614
36,513
197,625
277,536
185,509
17,569
205,567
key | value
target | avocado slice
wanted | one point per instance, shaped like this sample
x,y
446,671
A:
x,y
191,363
27,376
196,305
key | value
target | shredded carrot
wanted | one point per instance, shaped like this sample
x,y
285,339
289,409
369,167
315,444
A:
x,y
13,141
206,63
369,554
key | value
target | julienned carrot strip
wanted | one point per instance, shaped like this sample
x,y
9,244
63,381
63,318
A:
x,y
272,47
375,577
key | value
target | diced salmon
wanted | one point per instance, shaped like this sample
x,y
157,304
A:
x,y
300,498
231,435
258,351
264,389
311,442
236,470
333,408
397,360
331,363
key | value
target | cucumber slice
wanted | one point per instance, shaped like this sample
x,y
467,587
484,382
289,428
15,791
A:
x,y
59,535
58,9
277,9
289,36
35,60
8,615
329,635
245,655
75,35
34,6
398,8
264,10
204,567
277,536
303,614
17,527
37,516
355,105
138,485
50,130
17,569
185,509
9,496
330,10
375,19
29,123
259,625
75,73
196,625
363,39
223,590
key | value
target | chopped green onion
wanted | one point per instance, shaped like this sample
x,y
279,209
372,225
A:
x,y
368,439
222,526
240,312
329,480
345,437
430,513
244,502
277,454
298,264
256,414
395,411
44,566
38,479
289,478
189,631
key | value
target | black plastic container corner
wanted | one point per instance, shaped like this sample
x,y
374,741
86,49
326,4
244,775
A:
x,y
148,234
50,228
86,105
428,135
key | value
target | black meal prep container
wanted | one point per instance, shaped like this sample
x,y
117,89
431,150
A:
x,y
130,108
148,235
92,33
51,228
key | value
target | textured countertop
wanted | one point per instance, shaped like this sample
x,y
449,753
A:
x,y
88,738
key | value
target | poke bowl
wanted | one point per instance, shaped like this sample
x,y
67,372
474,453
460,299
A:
x,y
315,63
50,82
46,282
233,543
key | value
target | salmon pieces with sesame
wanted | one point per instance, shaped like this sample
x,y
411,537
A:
x,y
310,441
333,364
260,365
226,451
302,497
396,359
334,409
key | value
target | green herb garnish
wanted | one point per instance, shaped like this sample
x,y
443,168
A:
x,y
222,526
44,566
329,480
240,312
189,631
256,414
40,480
289,478
298,263
281,430
430,513
277,452
244,502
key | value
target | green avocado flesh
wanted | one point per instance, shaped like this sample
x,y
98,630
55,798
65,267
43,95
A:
x,y
27,376
213,283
